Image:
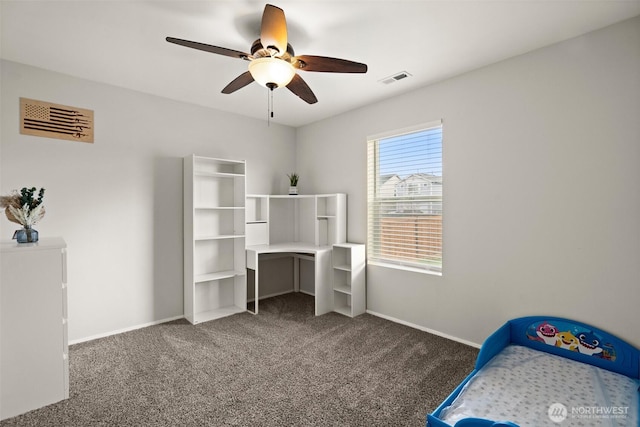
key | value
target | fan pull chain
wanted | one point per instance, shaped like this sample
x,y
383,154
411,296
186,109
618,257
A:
x,y
271,87
271,103
268,109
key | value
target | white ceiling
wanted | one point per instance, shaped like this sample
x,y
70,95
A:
x,y
123,43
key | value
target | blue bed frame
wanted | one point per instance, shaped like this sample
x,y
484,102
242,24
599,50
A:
x,y
543,333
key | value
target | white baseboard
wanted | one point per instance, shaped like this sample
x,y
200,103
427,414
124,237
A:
x,y
119,331
373,313
422,328
156,322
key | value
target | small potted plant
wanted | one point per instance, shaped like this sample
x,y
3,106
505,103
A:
x,y
24,209
293,183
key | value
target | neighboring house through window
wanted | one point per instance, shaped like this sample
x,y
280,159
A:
x,y
405,198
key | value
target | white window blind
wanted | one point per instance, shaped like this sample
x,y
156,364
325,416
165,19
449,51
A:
x,y
404,195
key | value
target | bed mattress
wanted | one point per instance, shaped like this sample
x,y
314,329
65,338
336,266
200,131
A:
x,y
534,388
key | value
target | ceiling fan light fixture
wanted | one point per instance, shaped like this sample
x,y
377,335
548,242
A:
x,y
272,62
269,71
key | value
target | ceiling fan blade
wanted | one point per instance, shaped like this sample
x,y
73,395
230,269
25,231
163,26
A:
x,y
273,30
325,64
210,48
238,83
302,90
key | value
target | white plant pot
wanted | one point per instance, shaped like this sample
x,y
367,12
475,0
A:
x,y
293,191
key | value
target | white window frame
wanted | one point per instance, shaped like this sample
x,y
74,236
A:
x,y
375,202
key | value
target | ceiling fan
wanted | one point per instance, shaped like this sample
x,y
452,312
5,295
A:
x,y
272,62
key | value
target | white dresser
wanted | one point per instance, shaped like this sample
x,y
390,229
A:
x,y
34,356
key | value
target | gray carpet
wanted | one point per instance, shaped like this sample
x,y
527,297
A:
x,y
284,367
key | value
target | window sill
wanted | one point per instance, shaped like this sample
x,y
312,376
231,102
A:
x,y
405,268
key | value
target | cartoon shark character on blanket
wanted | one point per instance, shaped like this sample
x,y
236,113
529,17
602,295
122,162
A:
x,y
547,333
588,344
567,340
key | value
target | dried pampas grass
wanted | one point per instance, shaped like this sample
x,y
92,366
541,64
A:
x,y
11,201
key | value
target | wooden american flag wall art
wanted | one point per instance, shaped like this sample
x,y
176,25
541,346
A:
x,y
40,118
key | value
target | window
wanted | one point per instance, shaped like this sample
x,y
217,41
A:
x,y
405,198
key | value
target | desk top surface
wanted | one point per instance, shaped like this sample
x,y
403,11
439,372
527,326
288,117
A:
x,y
289,247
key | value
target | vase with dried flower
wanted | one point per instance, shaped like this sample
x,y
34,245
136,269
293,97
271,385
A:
x,y
24,209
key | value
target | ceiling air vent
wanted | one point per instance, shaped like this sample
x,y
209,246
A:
x,y
39,118
394,78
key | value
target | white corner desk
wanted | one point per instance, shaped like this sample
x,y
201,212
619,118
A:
x,y
322,269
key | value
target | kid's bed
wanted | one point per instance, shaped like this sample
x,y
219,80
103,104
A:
x,y
539,371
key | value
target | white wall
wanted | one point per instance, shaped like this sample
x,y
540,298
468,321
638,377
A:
x,y
542,207
542,211
118,202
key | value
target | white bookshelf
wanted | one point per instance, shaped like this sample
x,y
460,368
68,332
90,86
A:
x,y
349,293
214,238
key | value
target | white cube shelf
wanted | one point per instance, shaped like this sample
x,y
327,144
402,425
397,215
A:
x,y
349,284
